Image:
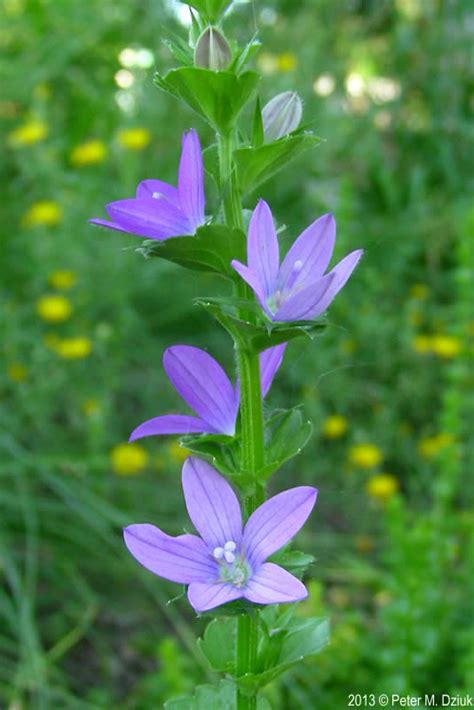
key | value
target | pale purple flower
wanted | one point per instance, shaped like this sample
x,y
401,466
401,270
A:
x,y
205,387
298,289
226,562
160,211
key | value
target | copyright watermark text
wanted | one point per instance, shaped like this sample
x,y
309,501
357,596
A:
x,y
395,700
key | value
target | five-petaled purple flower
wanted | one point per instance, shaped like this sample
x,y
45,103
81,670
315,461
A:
x,y
225,563
298,289
204,385
160,211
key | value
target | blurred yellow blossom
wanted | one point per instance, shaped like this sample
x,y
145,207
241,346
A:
x,y
430,445
17,372
446,346
28,133
73,348
363,544
177,453
62,279
419,291
415,318
365,455
90,407
286,62
45,212
128,459
134,138
89,153
382,487
267,63
334,426
53,308
421,344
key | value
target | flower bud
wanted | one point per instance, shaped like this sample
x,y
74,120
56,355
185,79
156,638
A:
x,y
212,50
281,115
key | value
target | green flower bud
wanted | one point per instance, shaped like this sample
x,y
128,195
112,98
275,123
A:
x,y
281,115
212,50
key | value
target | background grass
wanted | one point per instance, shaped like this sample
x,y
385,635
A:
x,y
389,87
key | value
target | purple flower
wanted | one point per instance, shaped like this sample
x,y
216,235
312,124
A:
x,y
298,289
225,563
160,211
205,387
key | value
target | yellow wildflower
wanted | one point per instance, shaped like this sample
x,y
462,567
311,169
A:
x,y
431,445
134,138
334,426
267,63
128,459
419,291
28,133
177,453
286,62
365,455
364,544
73,348
62,279
45,212
382,487
421,344
53,308
89,153
17,372
415,318
446,346
90,407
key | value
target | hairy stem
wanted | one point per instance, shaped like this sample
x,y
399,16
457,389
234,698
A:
x,y
251,417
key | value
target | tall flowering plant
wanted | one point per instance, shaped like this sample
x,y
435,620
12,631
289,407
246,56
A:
x,y
238,566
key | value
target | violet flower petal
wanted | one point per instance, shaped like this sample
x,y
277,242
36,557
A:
x,y
340,275
191,180
272,584
253,281
157,189
204,385
311,252
155,219
106,223
171,424
212,504
270,361
262,247
276,521
203,597
181,559
305,304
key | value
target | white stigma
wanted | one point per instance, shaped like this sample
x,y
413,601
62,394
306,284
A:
x,y
226,552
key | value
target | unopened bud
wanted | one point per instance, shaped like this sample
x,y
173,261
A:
x,y
281,115
212,50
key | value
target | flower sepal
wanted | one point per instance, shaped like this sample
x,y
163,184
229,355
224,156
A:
x,y
211,249
255,331
217,96
223,452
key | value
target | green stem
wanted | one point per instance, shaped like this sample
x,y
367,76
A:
x,y
251,418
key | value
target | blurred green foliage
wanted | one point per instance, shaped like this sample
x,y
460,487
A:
x,y
387,84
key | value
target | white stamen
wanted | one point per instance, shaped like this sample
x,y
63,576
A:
x,y
229,556
218,553
157,195
298,265
230,546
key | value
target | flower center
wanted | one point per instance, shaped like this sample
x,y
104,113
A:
x,y
233,567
